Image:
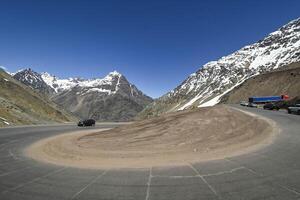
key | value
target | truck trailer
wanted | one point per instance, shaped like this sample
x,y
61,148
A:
x,y
268,99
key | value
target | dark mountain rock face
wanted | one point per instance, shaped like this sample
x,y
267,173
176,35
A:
x,y
33,80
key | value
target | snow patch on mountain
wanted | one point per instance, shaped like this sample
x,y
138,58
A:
x,y
57,84
217,99
60,85
98,90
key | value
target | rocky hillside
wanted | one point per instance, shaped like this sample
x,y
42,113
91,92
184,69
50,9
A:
x,y
206,86
34,80
112,98
282,81
21,105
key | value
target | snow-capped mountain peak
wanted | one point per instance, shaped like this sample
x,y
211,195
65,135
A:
x,y
114,73
60,85
33,80
28,75
109,98
48,78
110,84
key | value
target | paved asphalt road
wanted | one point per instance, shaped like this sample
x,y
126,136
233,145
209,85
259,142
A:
x,y
270,173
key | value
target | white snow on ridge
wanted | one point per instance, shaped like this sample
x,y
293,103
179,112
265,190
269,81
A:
x,y
216,100
263,60
65,84
98,90
58,84
196,98
48,78
114,73
190,102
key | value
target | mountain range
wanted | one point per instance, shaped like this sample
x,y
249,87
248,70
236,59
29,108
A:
x,y
20,105
114,98
213,80
111,98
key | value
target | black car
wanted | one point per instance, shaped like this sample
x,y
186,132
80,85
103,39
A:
x,y
271,106
87,122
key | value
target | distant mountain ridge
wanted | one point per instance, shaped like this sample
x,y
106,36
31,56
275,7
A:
x,y
111,98
206,86
33,80
21,105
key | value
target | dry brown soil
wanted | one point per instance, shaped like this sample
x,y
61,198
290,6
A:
x,y
173,139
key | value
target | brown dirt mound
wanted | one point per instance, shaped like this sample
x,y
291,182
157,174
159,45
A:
x,y
172,139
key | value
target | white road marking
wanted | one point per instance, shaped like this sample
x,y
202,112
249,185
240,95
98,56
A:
x,y
17,170
7,156
261,175
204,180
16,140
13,155
90,183
289,189
12,162
224,172
174,177
148,184
9,142
274,160
204,175
34,180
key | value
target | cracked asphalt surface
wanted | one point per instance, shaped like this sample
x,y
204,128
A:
x,y
269,173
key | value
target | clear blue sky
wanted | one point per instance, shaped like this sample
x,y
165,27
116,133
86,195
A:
x,y
155,44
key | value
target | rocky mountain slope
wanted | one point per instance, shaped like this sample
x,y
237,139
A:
x,y
213,80
112,98
21,105
282,81
34,80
